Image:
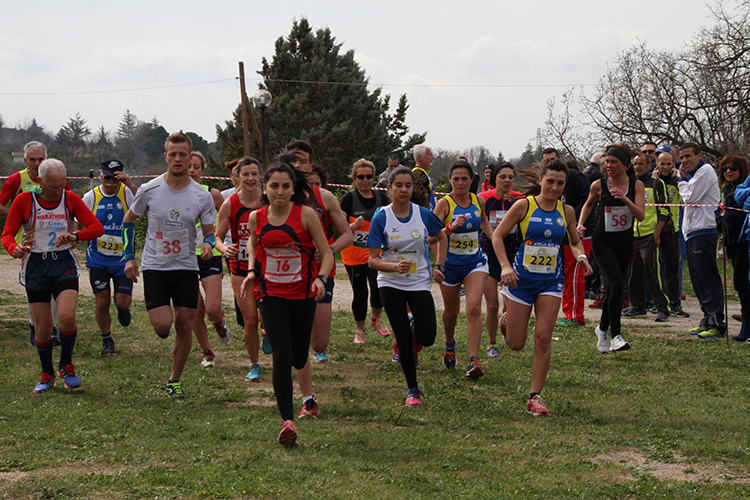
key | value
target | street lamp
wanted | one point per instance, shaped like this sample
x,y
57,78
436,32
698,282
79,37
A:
x,y
262,99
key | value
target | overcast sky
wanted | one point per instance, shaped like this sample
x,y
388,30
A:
x,y
475,72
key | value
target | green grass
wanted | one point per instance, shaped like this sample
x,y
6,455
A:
x,y
672,400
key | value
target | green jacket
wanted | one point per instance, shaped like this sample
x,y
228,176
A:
x,y
655,192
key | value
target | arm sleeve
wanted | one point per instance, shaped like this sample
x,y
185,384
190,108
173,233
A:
x,y
92,227
10,188
431,221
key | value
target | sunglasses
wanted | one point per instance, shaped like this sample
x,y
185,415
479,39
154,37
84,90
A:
x,y
730,168
110,177
363,177
649,151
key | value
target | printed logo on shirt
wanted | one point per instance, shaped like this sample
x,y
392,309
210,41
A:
x,y
560,222
416,234
547,233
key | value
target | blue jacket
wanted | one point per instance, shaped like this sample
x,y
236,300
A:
x,y
742,197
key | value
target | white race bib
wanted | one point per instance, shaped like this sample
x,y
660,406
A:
x,y
172,245
496,217
403,255
360,238
243,256
540,259
109,245
617,219
464,243
283,265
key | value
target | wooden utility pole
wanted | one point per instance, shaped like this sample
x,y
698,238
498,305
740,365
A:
x,y
248,118
245,111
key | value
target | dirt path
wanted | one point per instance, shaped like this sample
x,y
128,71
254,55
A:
x,y
342,298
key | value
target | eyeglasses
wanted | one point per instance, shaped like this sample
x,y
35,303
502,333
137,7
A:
x,y
362,177
730,168
648,151
110,177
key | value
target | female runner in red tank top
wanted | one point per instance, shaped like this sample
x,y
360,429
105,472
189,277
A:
x,y
233,216
281,266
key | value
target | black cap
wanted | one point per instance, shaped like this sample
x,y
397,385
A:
x,y
110,166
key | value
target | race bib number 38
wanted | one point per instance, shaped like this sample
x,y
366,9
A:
x,y
617,219
540,259
171,245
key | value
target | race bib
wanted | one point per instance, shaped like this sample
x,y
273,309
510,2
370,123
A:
x,y
398,257
360,238
243,256
109,245
283,265
540,259
496,217
172,245
617,219
464,243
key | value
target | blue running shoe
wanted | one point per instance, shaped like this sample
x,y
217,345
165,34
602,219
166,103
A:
x,y
68,374
320,357
55,338
449,358
265,344
46,383
254,374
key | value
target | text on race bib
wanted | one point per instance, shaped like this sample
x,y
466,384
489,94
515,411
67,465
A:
x,y
464,243
283,265
617,219
403,255
540,259
171,245
360,238
109,245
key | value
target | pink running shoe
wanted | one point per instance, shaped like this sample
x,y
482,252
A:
x,y
414,397
536,407
288,434
378,325
359,337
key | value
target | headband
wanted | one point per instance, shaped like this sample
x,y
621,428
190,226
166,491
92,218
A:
x,y
619,154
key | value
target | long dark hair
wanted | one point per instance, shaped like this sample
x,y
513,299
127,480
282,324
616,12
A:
x,y
301,187
535,177
742,168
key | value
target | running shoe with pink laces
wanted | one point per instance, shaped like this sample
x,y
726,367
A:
x,y
395,357
359,337
378,325
536,407
288,434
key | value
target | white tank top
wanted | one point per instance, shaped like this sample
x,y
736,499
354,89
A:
x,y
406,240
45,225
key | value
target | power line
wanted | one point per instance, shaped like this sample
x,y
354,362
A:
x,y
114,91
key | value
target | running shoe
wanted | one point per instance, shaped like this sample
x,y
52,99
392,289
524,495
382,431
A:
x,y
602,342
536,407
309,408
414,397
224,332
462,291
254,374
712,333
635,313
108,346
697,330
411,325
395,357
378,325
597,304
68,374
474,370
174,389
288,434
678,312
567,323
504,326
265,344
417,348
46,383
208,359
737,317
741,338
661,317
321,357
55,338
493,351
123,316
618,344
449,358
359,337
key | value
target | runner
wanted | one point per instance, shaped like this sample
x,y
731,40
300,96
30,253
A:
x,y
284,235
497,202
175,204
463,214
233,217
49,267
536,276
621,198
109,202
211,273
298,154
359,205
400,232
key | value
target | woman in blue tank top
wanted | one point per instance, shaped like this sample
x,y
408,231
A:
x,y
464,217
536,279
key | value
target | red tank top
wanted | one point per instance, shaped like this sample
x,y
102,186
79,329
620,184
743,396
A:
x,y
316,204
240,233
285,257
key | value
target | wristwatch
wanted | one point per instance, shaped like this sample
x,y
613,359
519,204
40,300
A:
x,y
440,267
322,278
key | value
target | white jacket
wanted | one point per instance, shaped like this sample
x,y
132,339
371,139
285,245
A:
x,y
701,189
